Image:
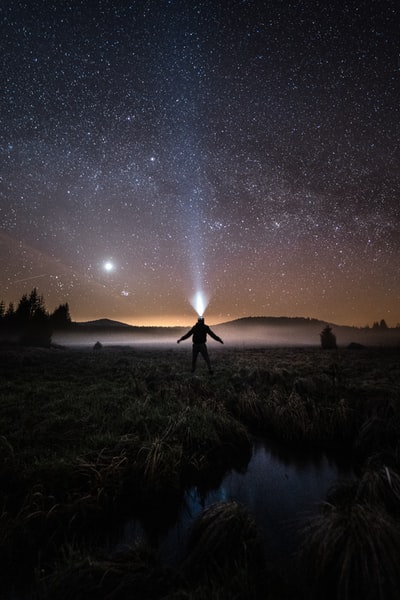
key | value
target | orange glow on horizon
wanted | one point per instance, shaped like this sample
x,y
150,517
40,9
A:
x,y
189,321
160,320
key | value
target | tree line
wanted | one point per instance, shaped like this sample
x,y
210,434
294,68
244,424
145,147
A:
x,y
30,323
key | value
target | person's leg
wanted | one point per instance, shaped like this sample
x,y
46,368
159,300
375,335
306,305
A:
x,y
195,352
204,352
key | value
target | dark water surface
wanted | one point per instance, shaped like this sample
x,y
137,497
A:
x,y
280,490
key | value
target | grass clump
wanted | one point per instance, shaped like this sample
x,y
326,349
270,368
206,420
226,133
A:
x,y
352,552
160,463
134,574
225,549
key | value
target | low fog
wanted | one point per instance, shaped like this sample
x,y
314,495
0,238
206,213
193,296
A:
x,y
252,332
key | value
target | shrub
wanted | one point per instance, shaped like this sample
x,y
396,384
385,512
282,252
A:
x,y
352,551
328,338
223,540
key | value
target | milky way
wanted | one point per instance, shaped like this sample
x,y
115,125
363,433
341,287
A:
x,y
250,149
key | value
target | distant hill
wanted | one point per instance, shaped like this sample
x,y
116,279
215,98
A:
x,y
273,321
114,326
276,331
108,331
246,331
298,331
102,324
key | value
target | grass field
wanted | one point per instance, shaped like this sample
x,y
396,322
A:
x,y
89,437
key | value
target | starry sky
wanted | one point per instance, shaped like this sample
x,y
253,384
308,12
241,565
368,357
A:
x,y
154,148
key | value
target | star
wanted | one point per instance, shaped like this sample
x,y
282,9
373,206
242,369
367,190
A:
x,y
108,266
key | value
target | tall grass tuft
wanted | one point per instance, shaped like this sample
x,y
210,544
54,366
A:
x,y
352,551
136,574
223,540
376,435
380,487
249,408
160,463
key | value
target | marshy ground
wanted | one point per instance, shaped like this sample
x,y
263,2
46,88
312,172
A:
x,y
89,438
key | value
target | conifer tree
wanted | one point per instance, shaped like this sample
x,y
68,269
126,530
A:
x,y
61,318
328,338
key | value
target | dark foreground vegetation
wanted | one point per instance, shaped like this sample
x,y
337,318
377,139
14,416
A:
x,y
89,438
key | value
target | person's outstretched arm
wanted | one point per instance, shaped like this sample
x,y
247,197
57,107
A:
x,y
186,336
213,335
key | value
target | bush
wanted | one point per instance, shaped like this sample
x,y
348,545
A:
x,y
352,552
328,338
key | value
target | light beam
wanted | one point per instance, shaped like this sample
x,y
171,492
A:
x,y
199,303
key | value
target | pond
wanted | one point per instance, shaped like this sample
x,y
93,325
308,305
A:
x,y
281,490
280,487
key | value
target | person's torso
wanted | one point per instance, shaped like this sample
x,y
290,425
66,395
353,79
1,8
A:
x,y
200,334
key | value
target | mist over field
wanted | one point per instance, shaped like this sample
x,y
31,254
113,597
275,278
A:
x,y
110,338
247,332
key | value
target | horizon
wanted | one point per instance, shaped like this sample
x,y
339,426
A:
x,y
233,319
189,316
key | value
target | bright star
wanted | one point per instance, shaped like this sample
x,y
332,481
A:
x,y
108,266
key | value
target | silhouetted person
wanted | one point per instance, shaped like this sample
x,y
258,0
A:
x,y
199,333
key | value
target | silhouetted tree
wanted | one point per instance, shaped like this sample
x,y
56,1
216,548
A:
x,y
28,306
9,317
61,318
32,321
380,326
328,338
23,312
38,330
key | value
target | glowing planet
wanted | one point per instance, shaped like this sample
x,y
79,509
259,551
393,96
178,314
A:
x,y
108,266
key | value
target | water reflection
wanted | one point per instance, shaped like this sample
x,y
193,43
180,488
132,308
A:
x,y
279,490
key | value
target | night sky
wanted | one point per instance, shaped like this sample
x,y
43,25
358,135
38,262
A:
x,y
247,149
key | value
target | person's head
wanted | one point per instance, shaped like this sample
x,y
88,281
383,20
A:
x,y
200,320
